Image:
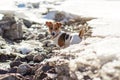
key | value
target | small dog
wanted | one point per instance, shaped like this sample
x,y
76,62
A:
x,y
62,39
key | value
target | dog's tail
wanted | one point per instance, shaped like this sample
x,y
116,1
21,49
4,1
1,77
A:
x,y
82,32
85,32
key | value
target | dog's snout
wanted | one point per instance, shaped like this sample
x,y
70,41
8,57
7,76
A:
x,y
53,33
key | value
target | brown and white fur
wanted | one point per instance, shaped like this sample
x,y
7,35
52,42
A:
x,y
62,39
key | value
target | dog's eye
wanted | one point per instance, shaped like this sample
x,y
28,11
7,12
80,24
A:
x,y
51,28
56,28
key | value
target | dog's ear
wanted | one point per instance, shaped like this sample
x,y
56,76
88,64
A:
x,y
48,24
58,24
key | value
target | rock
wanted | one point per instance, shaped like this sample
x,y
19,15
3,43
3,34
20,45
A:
x,y
86,77
35,5
63,72
29,57
51,71
32,36
35,32
40,36
11,76
3,57
11,28
38,58
59,16
41,50
24,69
15,63
27,23
28,46
12,56
24,50
48,43
3,71
13,70
41,72
20,5
20,58
68,18
17,57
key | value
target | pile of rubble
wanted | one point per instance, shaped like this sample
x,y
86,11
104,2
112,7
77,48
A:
x,y
28,54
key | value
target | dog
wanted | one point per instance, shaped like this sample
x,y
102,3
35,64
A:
x,y
63,39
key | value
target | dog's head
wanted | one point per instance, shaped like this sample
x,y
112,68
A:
x,y
54,28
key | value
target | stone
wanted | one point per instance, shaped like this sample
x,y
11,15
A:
x,y
20,58
40,73
40,36
24,49
29,57
38,58
3,57
68,18
12,56
11,28
51,71
15,63
13,70
86,77
27,23
63,72
36,5
28,46
48,43
3,71
24,69
59,16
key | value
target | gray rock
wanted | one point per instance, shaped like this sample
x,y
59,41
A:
x,y
11,28
68,18
13,70
36,5
3,71
38,58
40,73
24,69
59,16
41,36
24,50
27,23
3,57
29,57
15,63
26,47
48,43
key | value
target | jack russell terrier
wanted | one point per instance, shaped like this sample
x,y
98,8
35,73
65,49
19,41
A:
x,y
62,39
